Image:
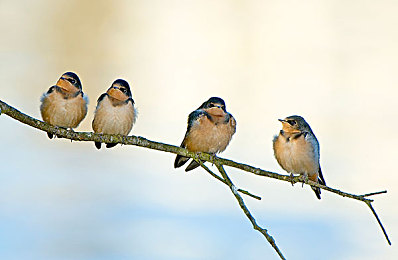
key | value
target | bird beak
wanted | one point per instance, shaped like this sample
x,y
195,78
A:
x,y
282,120
65,85
113,92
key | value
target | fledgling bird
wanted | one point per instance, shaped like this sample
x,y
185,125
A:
x,y
115,112
210,129
65,104
297,150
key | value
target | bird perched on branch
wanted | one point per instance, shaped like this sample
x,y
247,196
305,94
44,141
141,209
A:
x,y
297,150
210,129
64,104
115,112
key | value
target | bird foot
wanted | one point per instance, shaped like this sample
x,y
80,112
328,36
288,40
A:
x,y
305,179
291,178
73,131
54,132
124,140
213,159
98,144
196,156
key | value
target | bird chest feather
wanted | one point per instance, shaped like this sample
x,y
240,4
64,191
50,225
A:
x,y
208,136
114,119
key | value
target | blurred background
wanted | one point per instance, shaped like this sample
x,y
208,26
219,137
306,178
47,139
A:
x,y
333,62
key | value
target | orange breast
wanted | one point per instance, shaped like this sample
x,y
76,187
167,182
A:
x,y
297,156
205,136
56,110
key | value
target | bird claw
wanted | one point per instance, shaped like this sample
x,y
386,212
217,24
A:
x,y
196,155
213,159
101,137
305,179
71,129
54,132
291,178
124,140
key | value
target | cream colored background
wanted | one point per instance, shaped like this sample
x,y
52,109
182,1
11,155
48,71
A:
x,y
333,62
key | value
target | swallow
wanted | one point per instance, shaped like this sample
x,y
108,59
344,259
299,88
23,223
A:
x,y
210,129
115,112
65,104
297,150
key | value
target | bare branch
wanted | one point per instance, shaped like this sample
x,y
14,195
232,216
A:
x,y
242,205
374,193
219,162
379,221
223,181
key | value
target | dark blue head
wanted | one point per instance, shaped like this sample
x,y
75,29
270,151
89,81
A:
x,y
123,86
214,102
73,79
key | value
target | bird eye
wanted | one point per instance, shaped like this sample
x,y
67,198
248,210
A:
x,y
123,90
211,105
72,81
291,122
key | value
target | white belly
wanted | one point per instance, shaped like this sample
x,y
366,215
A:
x,y
297,156
59,111
111,119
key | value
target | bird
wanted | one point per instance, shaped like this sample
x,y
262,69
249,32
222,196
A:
x,y
115,112
210,129
296,149
65,104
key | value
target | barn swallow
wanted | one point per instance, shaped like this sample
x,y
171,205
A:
x,y
210,129
65,104
115,112
297,150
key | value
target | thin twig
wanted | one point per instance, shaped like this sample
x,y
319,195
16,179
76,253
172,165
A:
x,y
378,220
242,205
223,181
374,193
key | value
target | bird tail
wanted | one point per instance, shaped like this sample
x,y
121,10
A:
x,y
317,192
180,161
98,145
321,180
194,164
50,135
111,145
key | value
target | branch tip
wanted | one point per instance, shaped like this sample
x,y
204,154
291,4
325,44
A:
x,y
373,193
379,221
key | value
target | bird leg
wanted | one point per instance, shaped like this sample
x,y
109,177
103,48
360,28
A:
x,y
213,158
56,128
196,156
291,178
70,129
98,144
305,179
124,139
